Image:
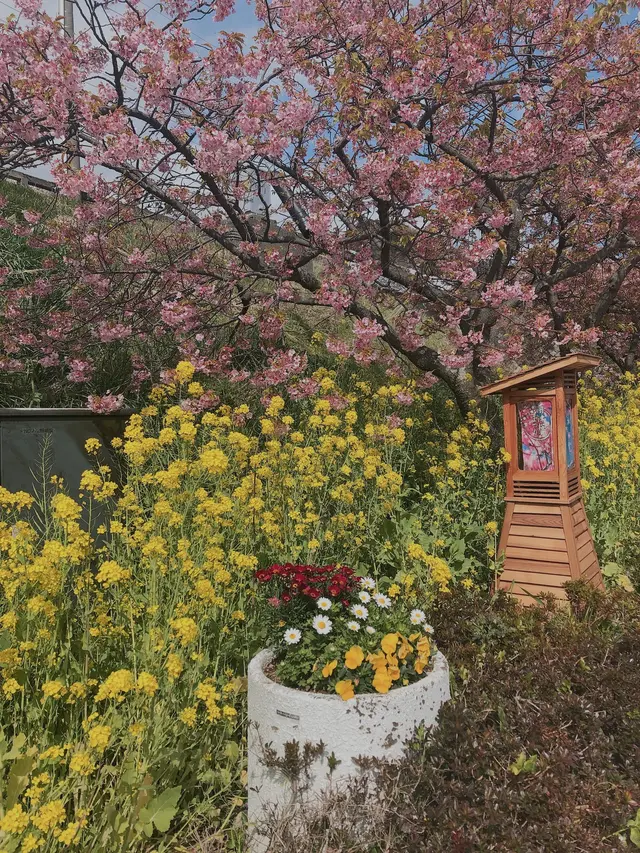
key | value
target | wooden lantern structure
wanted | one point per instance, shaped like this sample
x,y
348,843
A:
x,y
545,537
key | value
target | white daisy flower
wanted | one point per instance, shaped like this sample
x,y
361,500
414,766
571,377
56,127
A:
x,y
359,611
292,636
417,617
382,600
370,629
322,624
353,626
364,597
367,583
428,629
324,604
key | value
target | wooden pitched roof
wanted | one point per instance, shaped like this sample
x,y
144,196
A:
x,y
575,361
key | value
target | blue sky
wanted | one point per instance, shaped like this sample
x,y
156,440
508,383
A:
x,y
243,20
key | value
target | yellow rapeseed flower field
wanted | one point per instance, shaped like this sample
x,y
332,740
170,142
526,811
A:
x,y
123,657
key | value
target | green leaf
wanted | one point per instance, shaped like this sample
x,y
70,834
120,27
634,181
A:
x,y
16,747
18,779
522,764
161,811
232,750
634,829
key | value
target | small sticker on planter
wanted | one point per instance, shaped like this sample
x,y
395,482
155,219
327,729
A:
x,y
286,714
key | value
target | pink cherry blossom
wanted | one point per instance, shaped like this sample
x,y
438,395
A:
x,y
107,404
395,173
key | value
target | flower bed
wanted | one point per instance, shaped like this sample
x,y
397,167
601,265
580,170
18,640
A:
x,y
343,633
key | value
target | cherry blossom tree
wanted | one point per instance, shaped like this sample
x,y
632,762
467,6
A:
x,y
460,179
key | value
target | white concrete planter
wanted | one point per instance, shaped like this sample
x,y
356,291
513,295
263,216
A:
x,y
374,725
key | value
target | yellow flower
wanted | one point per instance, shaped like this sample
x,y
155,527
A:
x,y
267,426
440,572
188,716
111,573
50,815
65,508
10,687
416,552
53,690
327,669
30,843
344,689
214,461
53,753
188,431
491,527
207,694
116,685
354,657
174,666
389,643
405,649
82,764
99,737
185,629
276,405
15,821
382,680
147,683
69,835
92,445
184,372
377,660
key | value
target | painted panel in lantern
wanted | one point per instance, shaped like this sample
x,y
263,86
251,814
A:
x,y
571,444
535,435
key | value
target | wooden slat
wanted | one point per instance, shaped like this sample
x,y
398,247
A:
x,y
537,589
538,491
504,533
525,566
571,544
537,510
591,574
541,532
589,567
589,561
584,550
536,543
578,512
580,528
532,554
537,520
582,538
532,578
